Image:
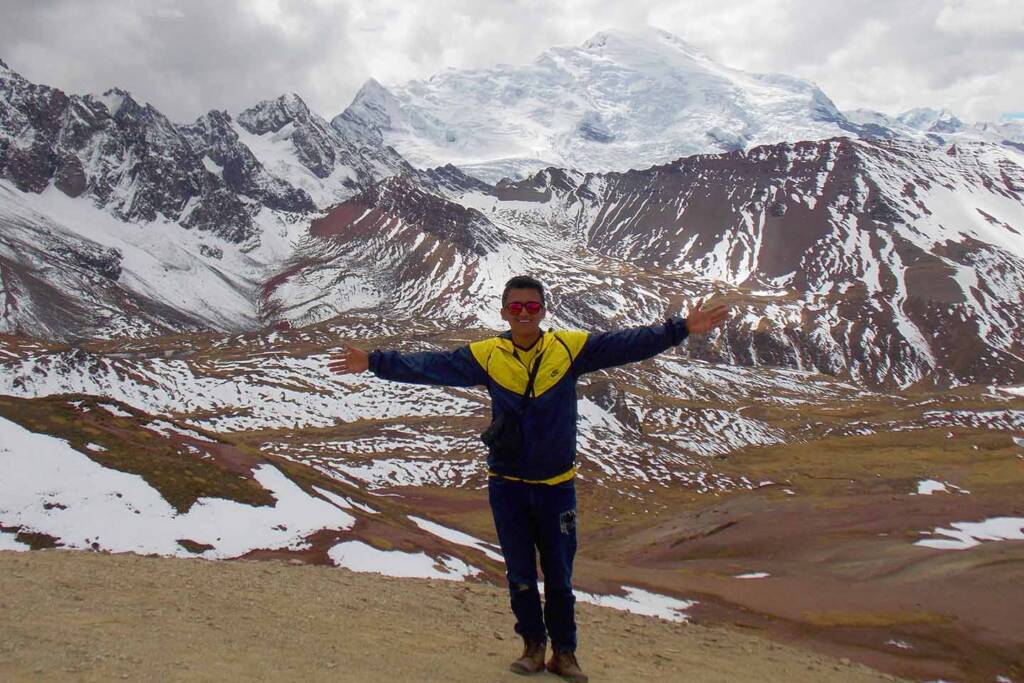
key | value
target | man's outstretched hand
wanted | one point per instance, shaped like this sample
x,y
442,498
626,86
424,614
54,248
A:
x,y
348,360
701,321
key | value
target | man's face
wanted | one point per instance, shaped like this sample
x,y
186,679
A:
x,y
516,311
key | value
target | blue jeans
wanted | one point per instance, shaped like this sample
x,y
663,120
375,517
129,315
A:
x,y
531,518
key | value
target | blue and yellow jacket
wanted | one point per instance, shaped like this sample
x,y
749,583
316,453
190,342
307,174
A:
x,y
549,420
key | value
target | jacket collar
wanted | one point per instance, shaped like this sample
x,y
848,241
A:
x,y
506,344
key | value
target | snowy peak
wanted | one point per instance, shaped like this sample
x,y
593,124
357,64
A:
x,y
624,99
114,99
626,45
140,120
215,122
123,107
214,136
372,91
931,120
373,110
273,115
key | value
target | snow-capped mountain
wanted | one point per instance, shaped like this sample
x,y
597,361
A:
x,y
623,99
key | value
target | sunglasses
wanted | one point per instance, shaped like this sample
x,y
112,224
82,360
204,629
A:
x,y
516,307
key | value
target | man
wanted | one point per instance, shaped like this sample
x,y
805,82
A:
x,y
531,376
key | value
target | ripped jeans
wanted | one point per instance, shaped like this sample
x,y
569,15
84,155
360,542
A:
x,y
531,518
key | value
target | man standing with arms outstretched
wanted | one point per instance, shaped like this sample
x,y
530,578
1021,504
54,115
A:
x,y
531,376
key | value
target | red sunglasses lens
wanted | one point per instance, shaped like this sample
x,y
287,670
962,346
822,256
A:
x,y
530,306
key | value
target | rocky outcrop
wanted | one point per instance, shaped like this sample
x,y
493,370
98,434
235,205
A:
x,y
238,167
122,154
353,153
315,146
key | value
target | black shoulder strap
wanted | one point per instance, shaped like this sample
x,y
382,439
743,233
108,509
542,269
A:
x,y
533,376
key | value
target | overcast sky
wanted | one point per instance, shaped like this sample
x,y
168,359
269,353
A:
x,y
189,56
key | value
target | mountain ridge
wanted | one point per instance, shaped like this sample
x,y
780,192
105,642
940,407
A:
x,y
222,208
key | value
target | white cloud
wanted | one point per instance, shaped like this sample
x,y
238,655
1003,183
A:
x,y
189,56
989,18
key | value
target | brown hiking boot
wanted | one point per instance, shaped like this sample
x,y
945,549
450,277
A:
x,y
532,661
563,663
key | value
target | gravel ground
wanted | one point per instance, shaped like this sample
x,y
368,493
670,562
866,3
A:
x,y
94,617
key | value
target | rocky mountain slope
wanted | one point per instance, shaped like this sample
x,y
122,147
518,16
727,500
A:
x,y
890,262
842,256
215,174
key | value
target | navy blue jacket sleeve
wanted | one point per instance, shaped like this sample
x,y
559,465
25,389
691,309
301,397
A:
x,y
608,349
456,368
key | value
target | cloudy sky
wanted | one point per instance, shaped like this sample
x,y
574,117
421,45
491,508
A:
x,y
189,56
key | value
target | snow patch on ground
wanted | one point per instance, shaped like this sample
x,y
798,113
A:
x,y
259,392
639,601
50,488
964,535
9,542
360,557
166,428
343,502
114,410
392,472
927,487
457,537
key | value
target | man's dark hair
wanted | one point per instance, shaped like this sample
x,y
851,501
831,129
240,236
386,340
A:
x,y
523,282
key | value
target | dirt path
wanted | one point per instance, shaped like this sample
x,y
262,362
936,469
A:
x,y
107,617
